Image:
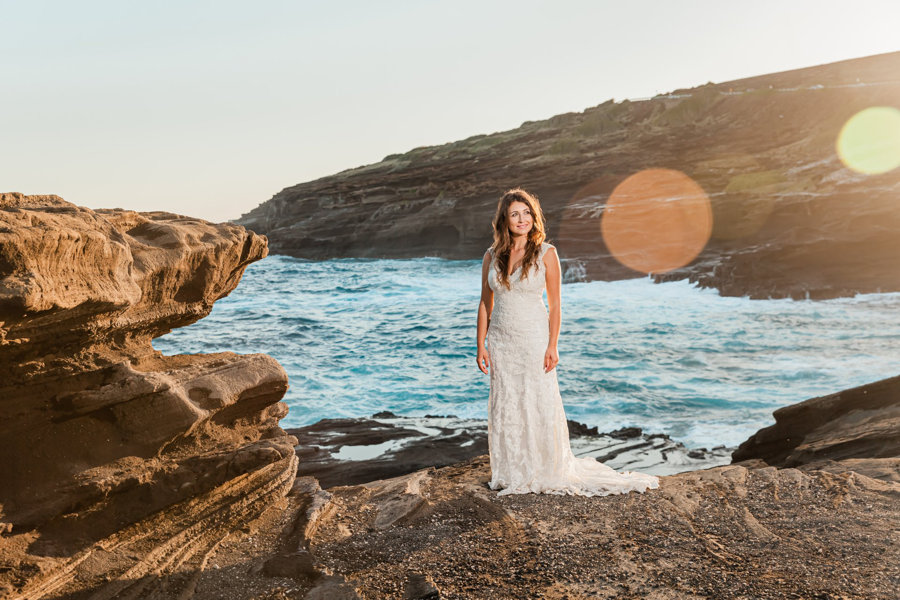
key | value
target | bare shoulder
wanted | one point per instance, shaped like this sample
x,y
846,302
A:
x,y
551,263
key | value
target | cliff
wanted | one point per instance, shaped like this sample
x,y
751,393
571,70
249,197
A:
x,y
788,218
127,474
118,461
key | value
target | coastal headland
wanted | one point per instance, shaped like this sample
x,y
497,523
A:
x,y
129,474
789,217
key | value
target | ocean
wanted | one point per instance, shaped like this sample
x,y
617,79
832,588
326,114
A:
x,y
359,336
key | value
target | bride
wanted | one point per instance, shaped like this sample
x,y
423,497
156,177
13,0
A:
x,y
528,437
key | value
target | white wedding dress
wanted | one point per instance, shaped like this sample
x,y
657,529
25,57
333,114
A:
x,y
528,437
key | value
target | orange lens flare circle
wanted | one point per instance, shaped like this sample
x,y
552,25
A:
x,y
657,220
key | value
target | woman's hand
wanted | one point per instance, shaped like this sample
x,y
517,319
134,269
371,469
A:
x,y
551,359
484,360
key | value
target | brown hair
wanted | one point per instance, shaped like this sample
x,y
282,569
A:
x,y
502,245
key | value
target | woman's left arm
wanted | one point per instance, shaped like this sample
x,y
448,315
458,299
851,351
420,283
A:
x,y
554,282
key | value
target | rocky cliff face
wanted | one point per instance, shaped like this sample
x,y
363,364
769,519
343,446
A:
x,y
112,453
789,219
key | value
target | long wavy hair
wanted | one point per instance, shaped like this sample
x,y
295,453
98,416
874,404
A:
x,y
502,246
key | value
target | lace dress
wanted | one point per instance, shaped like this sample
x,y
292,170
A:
x,y
528,437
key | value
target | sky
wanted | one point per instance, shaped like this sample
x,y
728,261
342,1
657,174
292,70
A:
x,y
210,108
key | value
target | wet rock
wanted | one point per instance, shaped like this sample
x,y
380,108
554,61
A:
x,y
352,451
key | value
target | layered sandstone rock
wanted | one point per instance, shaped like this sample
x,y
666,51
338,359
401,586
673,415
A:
x,y
789,219
857,428
118,461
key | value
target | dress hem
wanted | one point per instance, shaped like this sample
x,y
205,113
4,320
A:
x,y
572,491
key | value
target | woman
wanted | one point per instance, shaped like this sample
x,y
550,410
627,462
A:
x,y
528,437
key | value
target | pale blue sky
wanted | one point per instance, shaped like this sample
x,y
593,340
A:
x,y
209,108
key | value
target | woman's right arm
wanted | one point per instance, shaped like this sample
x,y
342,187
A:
x,y
484,314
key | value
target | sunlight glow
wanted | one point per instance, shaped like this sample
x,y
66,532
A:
x,y
656,220
869,142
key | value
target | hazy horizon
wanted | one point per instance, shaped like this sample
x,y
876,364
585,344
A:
x,y
209,110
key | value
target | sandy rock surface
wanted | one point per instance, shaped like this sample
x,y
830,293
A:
x,y
724,532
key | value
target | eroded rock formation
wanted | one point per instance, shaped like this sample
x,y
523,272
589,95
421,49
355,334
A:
x,y
789,219
857,428
113,454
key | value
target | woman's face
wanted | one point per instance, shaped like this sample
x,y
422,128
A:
x,y
519,218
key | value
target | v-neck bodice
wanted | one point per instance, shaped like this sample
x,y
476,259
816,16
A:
x,y
533,283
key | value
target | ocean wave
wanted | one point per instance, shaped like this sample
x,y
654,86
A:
x,y
361,336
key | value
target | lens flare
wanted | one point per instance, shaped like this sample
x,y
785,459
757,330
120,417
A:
x,y
656,220
869,142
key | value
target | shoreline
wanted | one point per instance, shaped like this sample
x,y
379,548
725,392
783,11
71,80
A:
x,y
133,473
352,451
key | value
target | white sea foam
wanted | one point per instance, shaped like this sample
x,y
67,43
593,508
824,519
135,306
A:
x,y
361,336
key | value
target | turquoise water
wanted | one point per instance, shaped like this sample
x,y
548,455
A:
x,y
360,336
